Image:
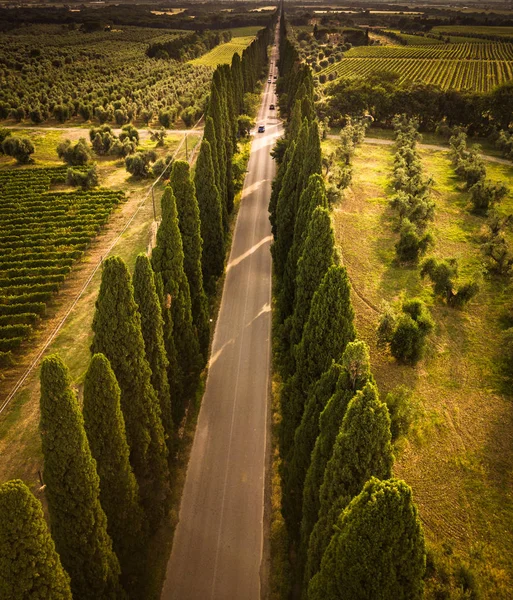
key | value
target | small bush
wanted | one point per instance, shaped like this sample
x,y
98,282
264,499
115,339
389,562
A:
x,y
76,155
87,179
20,148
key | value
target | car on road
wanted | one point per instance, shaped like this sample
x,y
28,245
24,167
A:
x,y
271,107
269,80
276,76
261,128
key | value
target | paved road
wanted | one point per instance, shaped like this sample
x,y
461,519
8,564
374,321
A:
x,y
218,543
387,142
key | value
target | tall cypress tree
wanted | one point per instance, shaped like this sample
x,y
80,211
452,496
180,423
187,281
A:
x,y
167,259
278,183
326,334
238,82
119,492
286,206
77,520
152,327
330,422
216,112
298,459
189,223
312,197
29,564
118,335
362,449
209,202
377,550
318,256
341,381
209,135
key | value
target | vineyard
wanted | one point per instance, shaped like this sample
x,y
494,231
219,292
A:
x,y
490,51
473,30
42,233
477,67
223,53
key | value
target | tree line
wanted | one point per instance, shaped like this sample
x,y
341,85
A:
x,y
340,503
383,97
108,464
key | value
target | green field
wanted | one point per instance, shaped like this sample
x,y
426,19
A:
x,y
223,53
478,67
459,456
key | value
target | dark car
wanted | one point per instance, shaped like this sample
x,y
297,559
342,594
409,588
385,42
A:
x,y
261,128
271,107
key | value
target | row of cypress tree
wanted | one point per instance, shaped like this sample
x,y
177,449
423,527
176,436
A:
x,y
339,502
108,464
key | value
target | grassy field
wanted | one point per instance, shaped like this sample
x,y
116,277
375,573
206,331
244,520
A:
x,y
223,53
458,459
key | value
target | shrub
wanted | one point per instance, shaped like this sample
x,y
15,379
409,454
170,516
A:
x,y
138,164
405,334
442,274
411,245
87,179
76,155
484,194
402,409
19,148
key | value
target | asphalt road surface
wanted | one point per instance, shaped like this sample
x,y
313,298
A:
x,y
218,543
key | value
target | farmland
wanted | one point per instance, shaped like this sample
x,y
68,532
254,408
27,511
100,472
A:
x,y
474,30
223,53
42,233
478,67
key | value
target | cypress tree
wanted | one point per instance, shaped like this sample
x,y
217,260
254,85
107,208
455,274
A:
x,y
238,82
298,459
209,202
312,162
29,564
278,183
152,328
343,380
167,260
209,135
362,449
175,374
119,492
189,223
318,256
326,334
286,206
295,121
330,421
118,335
377,550
312,197
215,110
77,520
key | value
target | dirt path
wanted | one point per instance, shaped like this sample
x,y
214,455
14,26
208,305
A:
x,y
384,142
